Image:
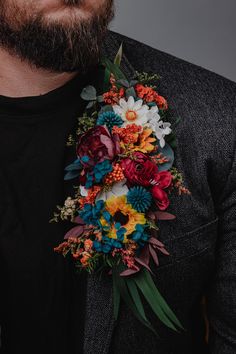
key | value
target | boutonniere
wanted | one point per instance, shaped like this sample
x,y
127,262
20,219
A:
x,y
124,172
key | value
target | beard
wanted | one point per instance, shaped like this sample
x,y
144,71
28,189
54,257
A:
x,y
58,46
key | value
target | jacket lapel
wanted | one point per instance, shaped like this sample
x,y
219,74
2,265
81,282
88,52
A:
x,y
99,322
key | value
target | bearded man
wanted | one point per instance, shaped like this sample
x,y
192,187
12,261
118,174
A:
x,y
50,50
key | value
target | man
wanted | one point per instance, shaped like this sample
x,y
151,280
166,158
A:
x,y
49,50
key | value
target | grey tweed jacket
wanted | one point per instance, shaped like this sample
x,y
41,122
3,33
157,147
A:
x,y
202,238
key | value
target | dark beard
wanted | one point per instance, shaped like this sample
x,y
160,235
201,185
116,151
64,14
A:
x,y
58,47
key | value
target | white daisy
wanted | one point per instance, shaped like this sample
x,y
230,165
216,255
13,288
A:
x,y
132,111
160,128
118,189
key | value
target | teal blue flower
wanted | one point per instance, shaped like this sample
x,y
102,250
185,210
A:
x,y
106,245
139,198
110,119
91,214
139,235
101,170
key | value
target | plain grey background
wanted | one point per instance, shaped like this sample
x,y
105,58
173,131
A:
x,y
200,31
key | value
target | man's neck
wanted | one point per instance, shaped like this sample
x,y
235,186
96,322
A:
x,y
19,79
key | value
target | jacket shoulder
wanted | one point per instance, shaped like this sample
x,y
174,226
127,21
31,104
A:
x,y
204,101
148,58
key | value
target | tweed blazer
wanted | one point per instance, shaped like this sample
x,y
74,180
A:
x,y
202,238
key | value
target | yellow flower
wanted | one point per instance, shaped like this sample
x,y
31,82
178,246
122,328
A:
x,y
124,214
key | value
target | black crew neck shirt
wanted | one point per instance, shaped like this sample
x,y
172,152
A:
x,y
42,297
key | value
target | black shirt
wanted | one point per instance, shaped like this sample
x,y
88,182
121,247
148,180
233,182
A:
x,y
42,297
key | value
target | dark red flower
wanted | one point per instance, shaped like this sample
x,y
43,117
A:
x,y
160,197
139,169
97,145
162,181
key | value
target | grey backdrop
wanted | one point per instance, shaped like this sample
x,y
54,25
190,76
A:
x,y
200,31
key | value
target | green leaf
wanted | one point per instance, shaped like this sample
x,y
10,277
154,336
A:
x,y
106,83
89,93
169,153
146,284
118,57
121,284
136,297
116,297
113,68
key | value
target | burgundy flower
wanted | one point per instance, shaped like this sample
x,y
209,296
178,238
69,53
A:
x,y
97,145
139,169
162,181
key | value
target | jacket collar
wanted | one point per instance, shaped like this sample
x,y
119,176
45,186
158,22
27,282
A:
x,y
99,322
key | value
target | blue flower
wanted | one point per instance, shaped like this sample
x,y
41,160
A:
x,y
92,213
139,198
113,243
101,170
139,235
110,119
106,245
89,180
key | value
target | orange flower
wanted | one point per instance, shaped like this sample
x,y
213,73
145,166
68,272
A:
x,y
88,244
145,141
146,93
116,175
92,193
149,95
113,96
161,102
84,260
129,134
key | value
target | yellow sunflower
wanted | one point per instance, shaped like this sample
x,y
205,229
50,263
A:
x,y
122,213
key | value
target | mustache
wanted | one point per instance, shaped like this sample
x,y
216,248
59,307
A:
x,y
73,2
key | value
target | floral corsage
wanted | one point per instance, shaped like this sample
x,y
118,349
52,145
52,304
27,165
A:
x,y
124,172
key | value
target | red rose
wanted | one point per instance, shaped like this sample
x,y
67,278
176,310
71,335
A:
x,y
97,145
139,169
162,180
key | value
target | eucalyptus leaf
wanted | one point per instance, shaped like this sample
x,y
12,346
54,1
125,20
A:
x,y
89,93
124,83
76,165
169,153
90,104
130,92
100,99
133,82
106,108
71,174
